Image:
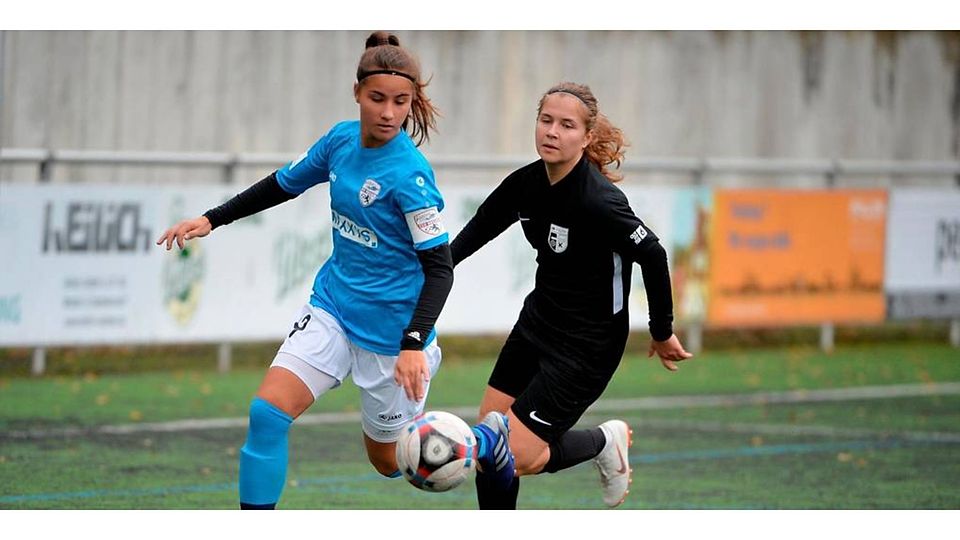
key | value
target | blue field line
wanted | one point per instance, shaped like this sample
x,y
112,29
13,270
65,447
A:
x,y
688,455
172,490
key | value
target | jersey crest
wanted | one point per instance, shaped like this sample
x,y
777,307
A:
x,y
558,238
369,192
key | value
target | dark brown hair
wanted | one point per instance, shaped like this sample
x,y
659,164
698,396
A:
x,y
608,143
384,54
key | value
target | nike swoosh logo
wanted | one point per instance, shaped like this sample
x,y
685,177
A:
x,y
533,415
623,464
521,218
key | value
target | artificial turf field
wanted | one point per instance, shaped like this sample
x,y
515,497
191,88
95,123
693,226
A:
x,y
867,427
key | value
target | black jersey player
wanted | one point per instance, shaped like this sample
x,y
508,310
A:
x,y
573,327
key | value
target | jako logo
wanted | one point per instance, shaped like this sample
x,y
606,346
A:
x,y
95,227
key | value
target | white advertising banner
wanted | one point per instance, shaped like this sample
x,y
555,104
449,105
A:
x,y
80,265
922,267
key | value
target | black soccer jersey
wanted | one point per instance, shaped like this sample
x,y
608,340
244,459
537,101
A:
x,y
586,237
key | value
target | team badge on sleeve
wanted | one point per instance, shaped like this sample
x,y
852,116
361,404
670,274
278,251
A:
x,y
425,224
369,192
558,238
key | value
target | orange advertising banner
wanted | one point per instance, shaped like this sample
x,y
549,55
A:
x,y
782,257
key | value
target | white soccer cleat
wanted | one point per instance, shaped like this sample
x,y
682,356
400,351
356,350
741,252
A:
x,y
613,462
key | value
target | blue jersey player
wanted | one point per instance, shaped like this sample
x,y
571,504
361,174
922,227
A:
x,y
374,302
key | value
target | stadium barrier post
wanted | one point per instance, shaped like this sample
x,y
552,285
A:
x,y
224,357
39,363
694,339
826,337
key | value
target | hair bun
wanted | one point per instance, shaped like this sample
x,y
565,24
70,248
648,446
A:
x,y
380,37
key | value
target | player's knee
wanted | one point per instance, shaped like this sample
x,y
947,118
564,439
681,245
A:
x,y
268,424
529,461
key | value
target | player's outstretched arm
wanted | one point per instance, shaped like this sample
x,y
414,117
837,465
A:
x,y
185,230
670,352
266,193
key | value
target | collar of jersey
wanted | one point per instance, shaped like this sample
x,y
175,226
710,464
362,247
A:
x,y
578,170
384,147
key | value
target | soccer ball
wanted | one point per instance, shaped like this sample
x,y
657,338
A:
x,y
435,451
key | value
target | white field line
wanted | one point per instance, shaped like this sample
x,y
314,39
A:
x,y
795,430
644,403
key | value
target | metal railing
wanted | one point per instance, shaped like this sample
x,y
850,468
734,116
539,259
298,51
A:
x,y
697,168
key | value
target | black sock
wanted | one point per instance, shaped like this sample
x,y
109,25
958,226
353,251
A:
x,y
248,506
574,447
489,498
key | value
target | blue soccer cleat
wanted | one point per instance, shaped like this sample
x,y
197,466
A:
x,y
495,456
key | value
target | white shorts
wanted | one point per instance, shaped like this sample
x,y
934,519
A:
x,y
318,352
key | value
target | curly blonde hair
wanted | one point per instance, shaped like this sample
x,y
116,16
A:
x,y
608,143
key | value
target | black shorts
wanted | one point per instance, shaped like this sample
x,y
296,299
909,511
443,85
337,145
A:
x,y
551,392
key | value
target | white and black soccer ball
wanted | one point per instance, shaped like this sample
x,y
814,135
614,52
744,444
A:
x,y
436,451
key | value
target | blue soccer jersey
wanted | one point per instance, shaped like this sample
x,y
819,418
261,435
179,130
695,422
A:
x,y
385,205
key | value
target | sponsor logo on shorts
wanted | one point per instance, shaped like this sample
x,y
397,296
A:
x,y
387,417
300,325
535,418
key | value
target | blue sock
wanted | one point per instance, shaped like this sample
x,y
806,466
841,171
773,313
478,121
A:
x,y
485,439
496,490
263,459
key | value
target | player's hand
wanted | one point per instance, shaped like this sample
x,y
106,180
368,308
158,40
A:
x,y
412,374
670,352
185,230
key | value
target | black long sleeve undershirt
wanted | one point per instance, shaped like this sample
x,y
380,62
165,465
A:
x,y
437,281
652,259
266,193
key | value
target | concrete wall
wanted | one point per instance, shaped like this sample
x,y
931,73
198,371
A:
x,y
858,95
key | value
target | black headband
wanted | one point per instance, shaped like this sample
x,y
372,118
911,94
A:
x,y
363,75
571,93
